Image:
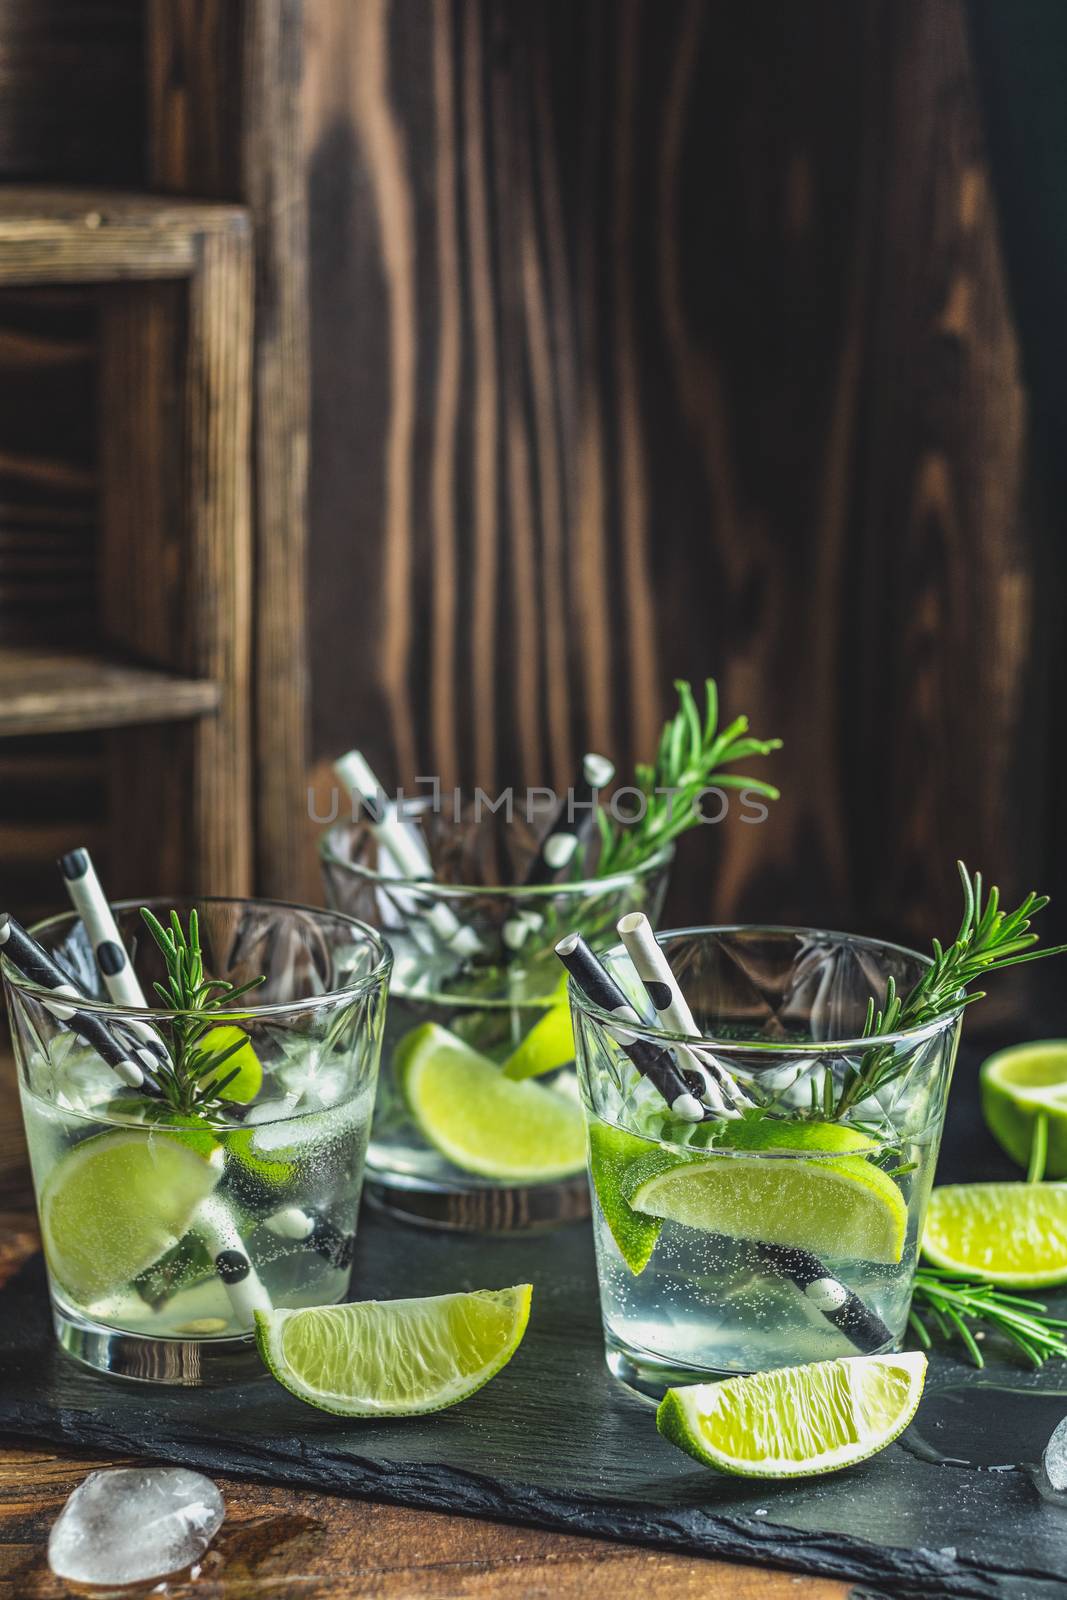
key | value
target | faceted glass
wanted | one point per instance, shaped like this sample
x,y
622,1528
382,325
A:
x,y
496,984
163,1231
788,1234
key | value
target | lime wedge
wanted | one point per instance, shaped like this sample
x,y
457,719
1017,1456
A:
x,y
249,1068
484,1123
548,1045
612,1154
797,1421
117,1202
841,1205
394,1358
1010,1233
1017,1086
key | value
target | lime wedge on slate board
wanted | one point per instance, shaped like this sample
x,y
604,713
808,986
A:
x,y
394,1358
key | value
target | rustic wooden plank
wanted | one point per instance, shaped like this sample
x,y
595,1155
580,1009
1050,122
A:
x,y
681,361
57,236
224,114
50,691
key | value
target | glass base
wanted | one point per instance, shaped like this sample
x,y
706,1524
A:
x,y
647,1375
187,1362
530,1208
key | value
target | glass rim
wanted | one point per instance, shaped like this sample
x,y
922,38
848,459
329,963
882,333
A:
x,y
430,887
771,1047
112,1008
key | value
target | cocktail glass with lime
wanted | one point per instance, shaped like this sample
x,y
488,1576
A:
x,y
478,1123
168,1220
788,1234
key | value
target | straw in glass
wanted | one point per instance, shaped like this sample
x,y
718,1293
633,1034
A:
x,y
406,850
653,1063
721,1091
131,1064
572,821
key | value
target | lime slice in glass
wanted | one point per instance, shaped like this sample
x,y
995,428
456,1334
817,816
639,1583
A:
x,y
548,1045
484,1123
797,1421
612,1154
394,1358
244,1061
839,1205
118,1201
1017,1086
1009,1233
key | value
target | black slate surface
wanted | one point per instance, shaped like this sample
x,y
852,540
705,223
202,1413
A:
x,y
555,1441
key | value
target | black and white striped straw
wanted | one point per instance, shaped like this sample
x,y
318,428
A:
x,y
215,1226
572,821
90,902
721,1092
405,847
311,1228
834,1299
133,1064
652,1062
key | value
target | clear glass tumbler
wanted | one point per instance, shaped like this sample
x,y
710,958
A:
x,y
789,1233
165,1227
478,1124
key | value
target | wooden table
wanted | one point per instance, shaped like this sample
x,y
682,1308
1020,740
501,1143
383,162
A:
x,y
279,1542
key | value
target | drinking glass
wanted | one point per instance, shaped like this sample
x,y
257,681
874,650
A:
x,y
789,1233
164,1231
476,968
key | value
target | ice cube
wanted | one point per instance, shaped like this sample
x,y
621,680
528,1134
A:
x,y
1052,1473
130,1524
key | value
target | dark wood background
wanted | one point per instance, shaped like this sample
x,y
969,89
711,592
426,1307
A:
x,y
659,339
649,338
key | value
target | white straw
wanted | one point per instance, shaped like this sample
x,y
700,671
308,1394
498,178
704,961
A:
x,y
90,902
405,846
235,1271
722,1092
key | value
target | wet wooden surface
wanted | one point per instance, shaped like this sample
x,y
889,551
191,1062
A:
x,y
280,1542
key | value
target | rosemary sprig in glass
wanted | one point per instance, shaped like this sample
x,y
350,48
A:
x,y
951,1303
988,939
193,1082
692,752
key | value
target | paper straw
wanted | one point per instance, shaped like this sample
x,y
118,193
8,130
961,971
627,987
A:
x,y
571,822
834,1299
721,1092
134,1067
652,1062
407,849
121,982
235,1272
316,1230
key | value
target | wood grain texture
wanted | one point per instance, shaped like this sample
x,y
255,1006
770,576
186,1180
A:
x,y
51,691
666,340
224,120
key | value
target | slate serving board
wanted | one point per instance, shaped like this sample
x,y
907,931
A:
x,y
555,1441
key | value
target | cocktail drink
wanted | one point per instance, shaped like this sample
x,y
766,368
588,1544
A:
x,y
785,1232
478,1122
171,1214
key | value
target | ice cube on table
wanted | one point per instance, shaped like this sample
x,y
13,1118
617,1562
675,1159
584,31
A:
x,y
129,1524
1052,1473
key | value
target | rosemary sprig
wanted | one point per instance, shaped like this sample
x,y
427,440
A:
x,y
952,1303
192,1083
692,753
988,939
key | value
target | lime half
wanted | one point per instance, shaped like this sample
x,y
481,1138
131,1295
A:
x,y
840,1205
483,1122
613,1154
1017,1086
1010,1233
117,1202
796,1422
394,1358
